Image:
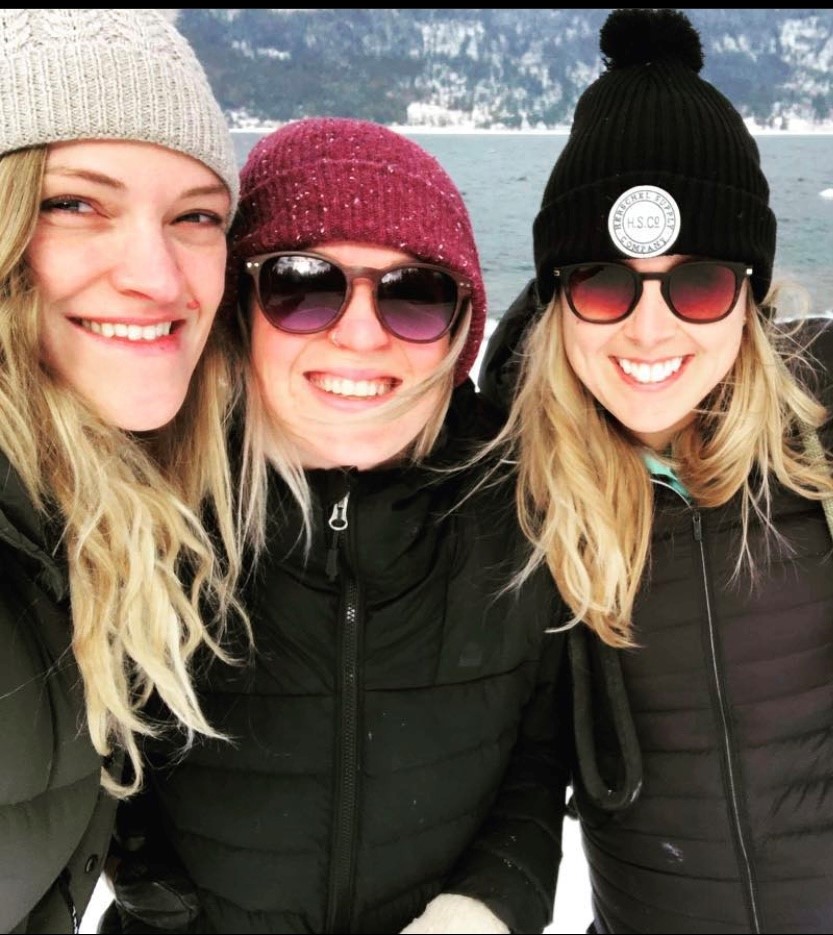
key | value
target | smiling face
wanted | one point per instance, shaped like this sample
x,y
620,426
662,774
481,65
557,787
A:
x,y
324,388
129,258
651,370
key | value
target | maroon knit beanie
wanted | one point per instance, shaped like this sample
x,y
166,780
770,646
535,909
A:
x,y
324,179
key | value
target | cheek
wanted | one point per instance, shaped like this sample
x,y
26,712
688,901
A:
x,y
63,259
207,274
424,359
582,343
57,277
48,343
273,352
724,344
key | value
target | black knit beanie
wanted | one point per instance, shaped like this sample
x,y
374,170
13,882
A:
x,y
658,161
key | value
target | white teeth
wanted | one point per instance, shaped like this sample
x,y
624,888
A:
x,y
650,373
341,386
109,329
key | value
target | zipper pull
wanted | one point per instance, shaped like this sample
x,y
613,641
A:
x,y
337,522
698,526
63,887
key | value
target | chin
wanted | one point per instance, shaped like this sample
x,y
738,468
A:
x,y
354,454
142,416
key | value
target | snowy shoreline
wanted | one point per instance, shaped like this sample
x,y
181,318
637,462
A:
x,y
801,128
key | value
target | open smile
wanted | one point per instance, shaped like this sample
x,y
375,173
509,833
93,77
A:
x,y
649,373
353,389
128,332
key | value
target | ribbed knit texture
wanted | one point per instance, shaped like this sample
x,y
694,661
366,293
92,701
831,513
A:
x,y
655,121
328,179
108,74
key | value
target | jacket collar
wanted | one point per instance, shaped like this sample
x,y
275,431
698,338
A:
x,y
25,529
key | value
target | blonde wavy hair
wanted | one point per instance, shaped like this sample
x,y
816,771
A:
x,y
265,441
584,495
131,509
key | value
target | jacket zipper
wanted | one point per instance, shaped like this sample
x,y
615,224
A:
x,y
63,886
746,867
337,523
342,868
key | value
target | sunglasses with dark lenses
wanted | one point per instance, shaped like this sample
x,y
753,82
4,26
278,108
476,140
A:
x,y
303,293
699,291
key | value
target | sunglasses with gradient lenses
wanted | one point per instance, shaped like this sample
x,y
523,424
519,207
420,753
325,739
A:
x,y
303,293
699,292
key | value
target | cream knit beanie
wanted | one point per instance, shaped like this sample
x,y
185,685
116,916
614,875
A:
x,y
108,74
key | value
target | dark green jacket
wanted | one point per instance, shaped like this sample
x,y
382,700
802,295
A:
x,y
55,821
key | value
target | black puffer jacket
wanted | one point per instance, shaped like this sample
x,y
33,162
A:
x,y
396,734
705,755
55,821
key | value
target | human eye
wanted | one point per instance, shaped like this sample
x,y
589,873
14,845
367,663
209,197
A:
x,y
202,218
65,204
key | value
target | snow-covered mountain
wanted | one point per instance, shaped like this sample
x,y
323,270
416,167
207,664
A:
x,y
514,68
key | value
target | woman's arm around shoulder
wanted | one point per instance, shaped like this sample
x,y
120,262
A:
x,y
510,869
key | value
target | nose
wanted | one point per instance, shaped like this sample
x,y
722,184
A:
x,y
148,265
359,328
652,321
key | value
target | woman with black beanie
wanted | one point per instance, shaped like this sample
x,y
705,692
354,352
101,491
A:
x,y
673,437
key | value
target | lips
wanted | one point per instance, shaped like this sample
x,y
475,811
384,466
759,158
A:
x,y
365,388
649,372
125,331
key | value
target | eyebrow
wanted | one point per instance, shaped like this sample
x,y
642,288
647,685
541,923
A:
x,y
218,189
99,178
96,177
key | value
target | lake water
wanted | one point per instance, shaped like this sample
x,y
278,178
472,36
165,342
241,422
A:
x,y
502,178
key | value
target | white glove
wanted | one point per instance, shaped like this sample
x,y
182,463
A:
x,y
450,914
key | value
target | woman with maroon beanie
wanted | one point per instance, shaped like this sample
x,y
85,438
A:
x,y
393,760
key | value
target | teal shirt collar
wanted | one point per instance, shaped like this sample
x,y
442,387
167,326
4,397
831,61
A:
x,y
664,473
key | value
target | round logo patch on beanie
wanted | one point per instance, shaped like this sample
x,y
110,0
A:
x,y
644,221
